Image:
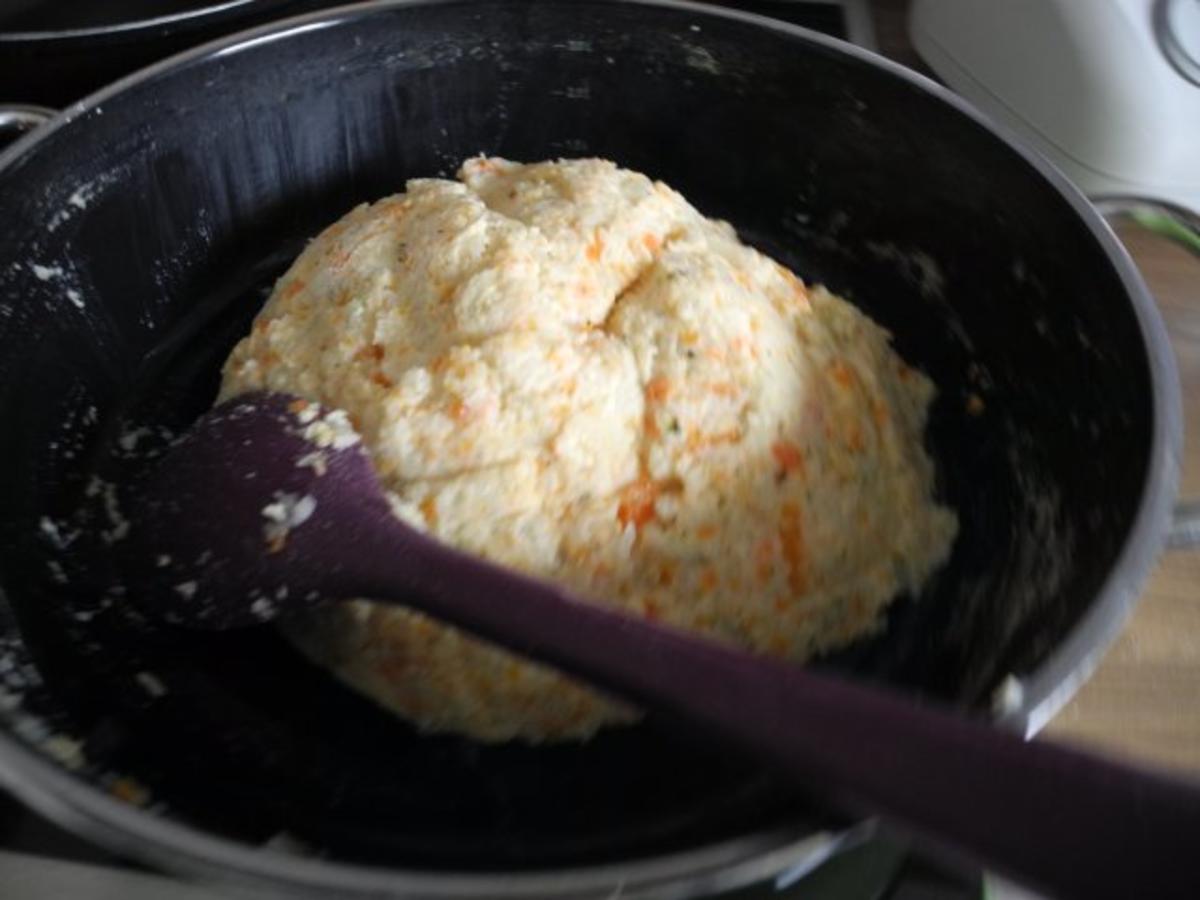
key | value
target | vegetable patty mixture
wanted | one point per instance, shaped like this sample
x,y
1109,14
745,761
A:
x,y
565,368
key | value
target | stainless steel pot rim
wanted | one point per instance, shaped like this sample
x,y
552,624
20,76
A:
x,y
717,867
128,829
21,118
191,17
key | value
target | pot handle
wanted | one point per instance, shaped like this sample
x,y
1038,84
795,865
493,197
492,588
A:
x,y
16,119
1183,227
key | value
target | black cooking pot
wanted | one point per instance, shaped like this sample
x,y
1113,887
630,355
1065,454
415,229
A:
x,y
52,52
144,226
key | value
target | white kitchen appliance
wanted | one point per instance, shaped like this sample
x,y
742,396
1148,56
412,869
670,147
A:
x,y
1109,90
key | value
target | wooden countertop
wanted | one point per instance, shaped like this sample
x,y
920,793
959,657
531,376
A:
x,y
1143,703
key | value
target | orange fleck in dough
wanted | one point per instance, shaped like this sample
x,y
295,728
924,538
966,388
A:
x,y
841,372
788,457
791,539
459,410
764,560
658,389
429,511
371,353
637,500
596,248
697,441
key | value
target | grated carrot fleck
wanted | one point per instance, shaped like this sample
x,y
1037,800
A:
x,y
636,500
697,440
854,438
459,410
429,511
788,457
879,411
658,389
841,372
596,247
791,538
764,558
650,609
636,504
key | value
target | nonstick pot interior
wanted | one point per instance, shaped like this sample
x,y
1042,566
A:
x,y
143,234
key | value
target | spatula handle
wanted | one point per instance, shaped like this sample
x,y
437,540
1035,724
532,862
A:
x,y
1060,820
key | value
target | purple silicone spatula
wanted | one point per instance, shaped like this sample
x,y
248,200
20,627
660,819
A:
x,y
270,505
